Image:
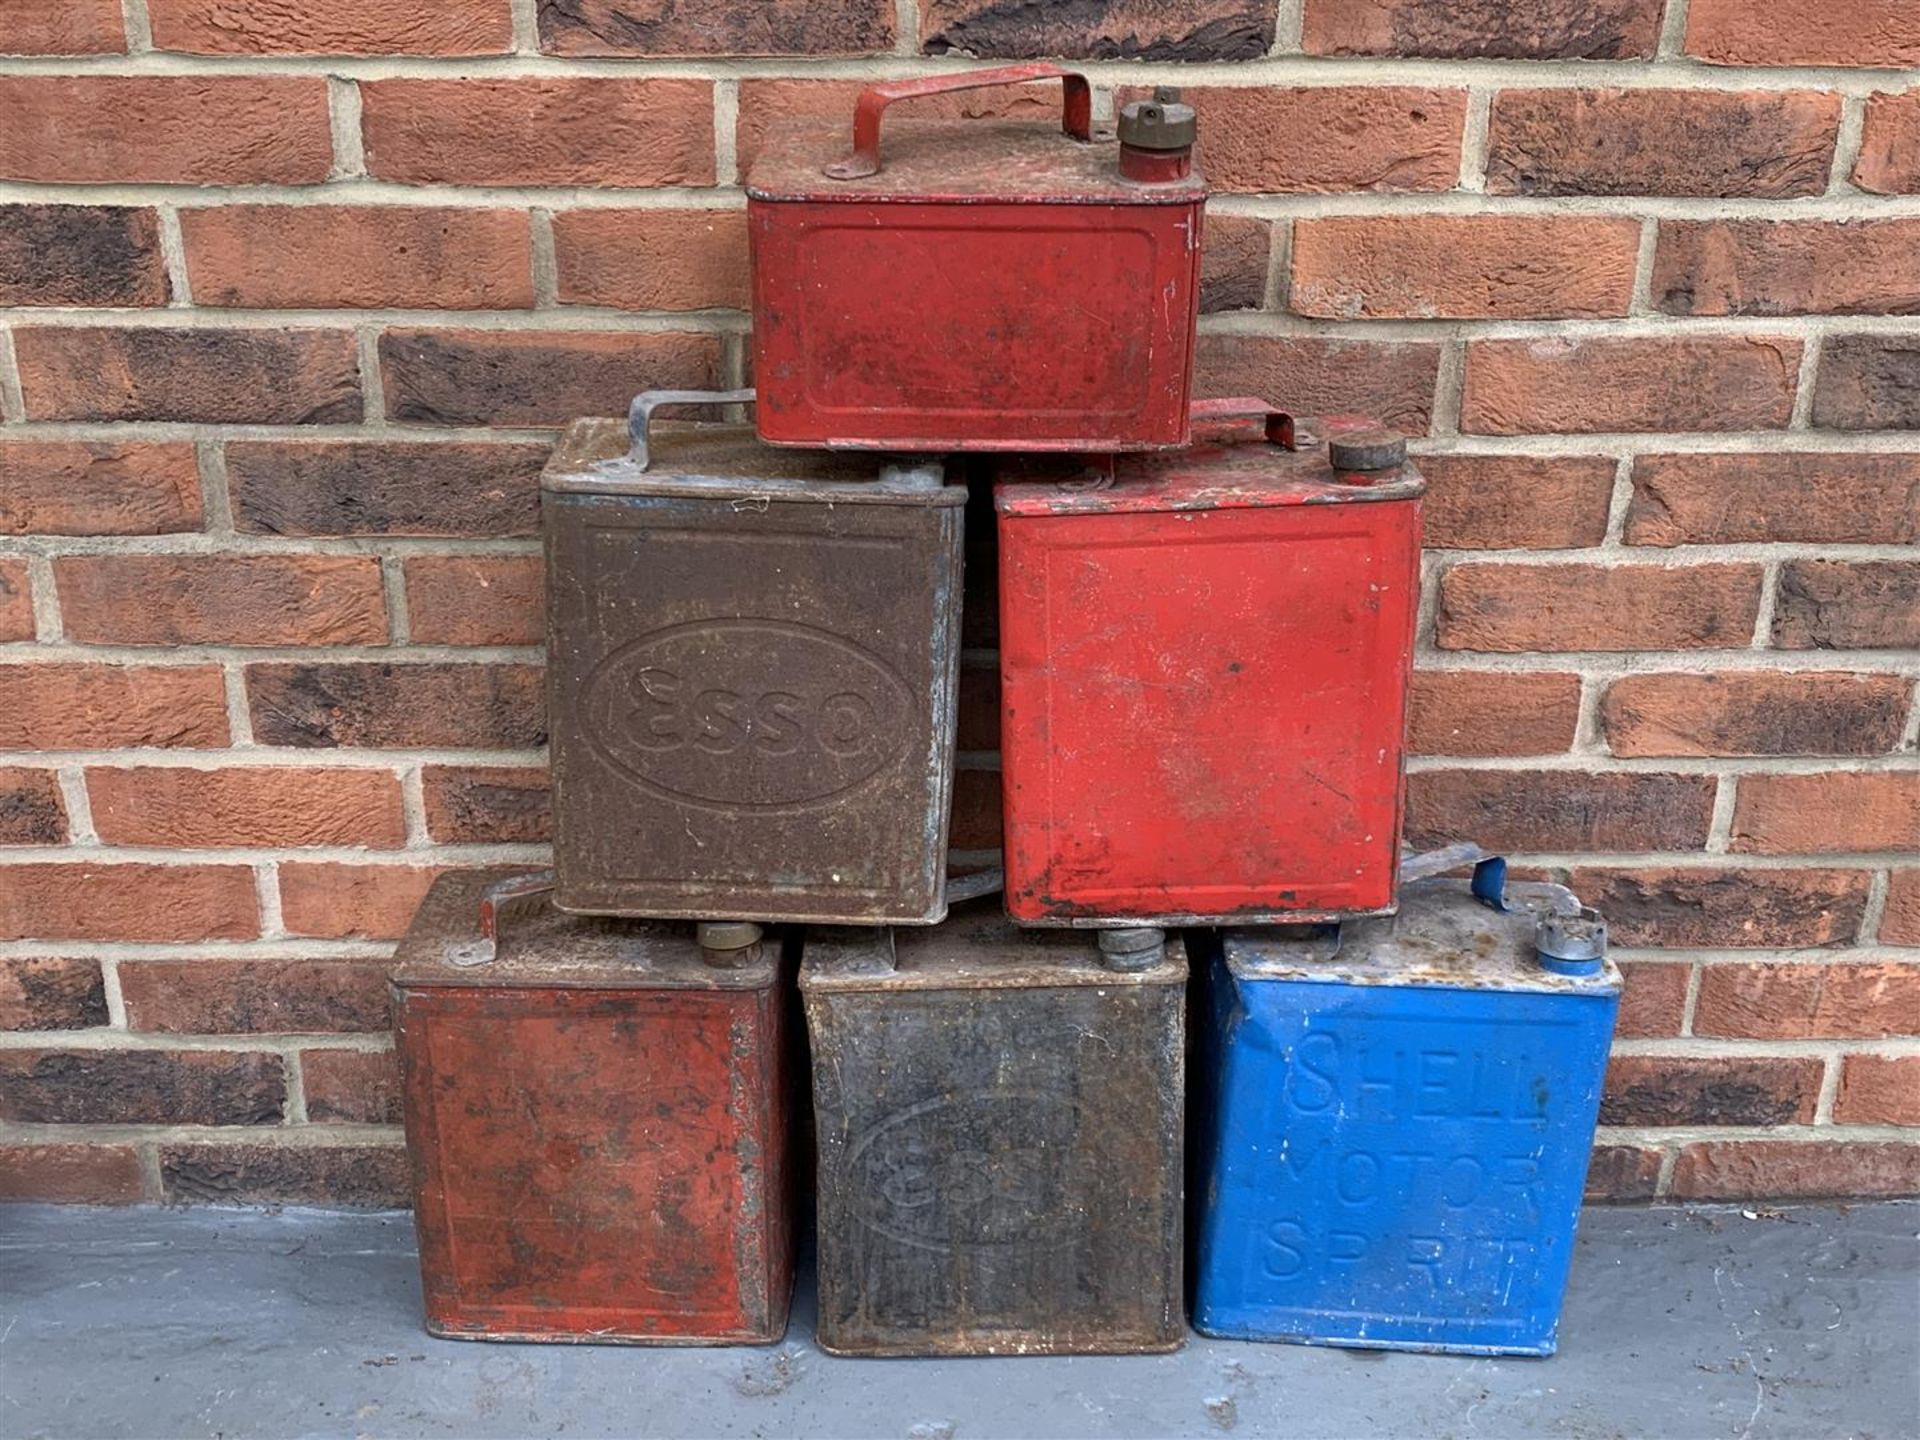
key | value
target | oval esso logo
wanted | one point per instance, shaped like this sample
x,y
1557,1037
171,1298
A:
x,y
746,714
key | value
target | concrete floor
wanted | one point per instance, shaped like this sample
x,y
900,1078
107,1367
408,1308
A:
x,y
1682,1322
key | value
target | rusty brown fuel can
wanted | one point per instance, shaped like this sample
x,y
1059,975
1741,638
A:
x,y
596,1112
752,657
999,1120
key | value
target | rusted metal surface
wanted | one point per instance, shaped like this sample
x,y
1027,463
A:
x,y
970,285
1204,666
999,1120
752,663
597,1121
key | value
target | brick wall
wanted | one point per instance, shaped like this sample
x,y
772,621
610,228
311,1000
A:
x,y
300,291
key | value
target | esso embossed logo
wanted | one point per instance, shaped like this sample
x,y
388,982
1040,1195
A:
x,y
746,714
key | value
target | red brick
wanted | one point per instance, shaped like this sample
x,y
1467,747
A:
x,y
338,27
1622,1174
16,602
292,487
475,599
1879,1090
204,376
283,257
731,27
1805,1001
80,255
1835,812
1502,502
1469,712
61,27
426,705
1837,499
31,810
978,723
1788,267
1760,712
653,259
165,129
1558,810
1900,922
487,804
766,103
1804,32
277,997
81,901
351,1087
1233,263
1794,1170
1837,605
1493,29
1654,1001
351,902
359,1177
550,131
1510,607
1328,138
66,706
1764,143
97,487
490,377
1675,908
71,1174
1113,30
1710,1090
253,805
221,599
1868,382
1392,381
976,822
141,1087
1426,267
45,993
1589,386
1889,162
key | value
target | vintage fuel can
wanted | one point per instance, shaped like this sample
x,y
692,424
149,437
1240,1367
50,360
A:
x,y
1394,1122
1000,1120
752,658
977,285
1204,663
596,1111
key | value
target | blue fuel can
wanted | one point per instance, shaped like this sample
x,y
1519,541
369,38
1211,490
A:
x,y
1394,1119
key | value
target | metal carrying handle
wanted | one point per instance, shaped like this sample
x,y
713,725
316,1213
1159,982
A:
x,y
498,897
1076,118
1276,423
640,414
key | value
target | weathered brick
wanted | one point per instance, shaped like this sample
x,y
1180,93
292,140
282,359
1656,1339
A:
x,y
1503,607
1501,502
71,1174
1493,29
1889,162
61,27
1763,143
352,902
221,599
67,706
1108,30
1590,386
16,602
489,377
405,257
1841,605
731,27
1835,812
165,129
1900,921
59,487
1558,810
339,27
45,993
652,259
1788,267
1654,1000
1392,381
1470,712
317,706
975,823
1233,263
191,808
351,1087
1328,138
1868,382
977,724
1622,1174
475,599
80,255
1758,712
1794,1170
1807,1001
233,997
548,131
81,901
487,804
1878,1090
1427,267
1804,32
1710,1090
1837,499
354,1177
1677,908
213,377
293,487
765,103
31,810
141,1087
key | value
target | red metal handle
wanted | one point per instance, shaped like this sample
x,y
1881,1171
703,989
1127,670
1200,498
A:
x,y
1277,424
1076,108
495,899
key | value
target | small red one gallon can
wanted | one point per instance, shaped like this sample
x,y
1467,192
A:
x,y
1204,666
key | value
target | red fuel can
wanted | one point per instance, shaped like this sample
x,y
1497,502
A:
x,y
977,285
1204,661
